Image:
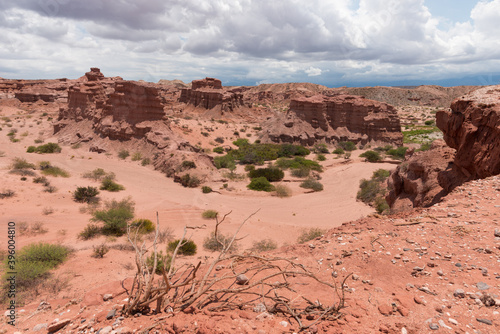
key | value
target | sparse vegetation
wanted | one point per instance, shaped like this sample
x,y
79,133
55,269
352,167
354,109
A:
x,y
115,216
110,185
136,156
100,251
264,245
312,184
347,146
310,234
145,161
144,226
218,149
98,174
188,247
6,193
214,244
163,262
398,153
320,157
48,169
283,191
86,194
46,148
20,164
123,154
206,190
209,214
189,181
372,193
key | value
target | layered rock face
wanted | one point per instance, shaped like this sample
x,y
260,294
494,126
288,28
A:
x,y
472,127
208,94
336,118
35,90
472,130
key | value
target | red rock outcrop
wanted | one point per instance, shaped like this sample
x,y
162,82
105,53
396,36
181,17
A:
x,y
336,118
472,130
208,94
30,91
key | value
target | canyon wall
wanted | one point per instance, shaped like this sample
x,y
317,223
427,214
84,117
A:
x,y
209,93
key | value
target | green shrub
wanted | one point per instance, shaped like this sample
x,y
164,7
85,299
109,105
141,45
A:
x,y
188,247
312,184
338,150
33,263
425,146
283,191
241,142
398,153
110,185
369,190
163,262
123,154
189,181
371,156
301,172
145,161
264,245
347,146
381,204
381,175
216,245
115,216
272,174
136,156
20,163
144,226
320,148
206,190
48,169
90,231
310,234
249,168
98,174
226,161
429,122
297,163
218,149
186,164
260,184
320,157
46,148
209,214
85,194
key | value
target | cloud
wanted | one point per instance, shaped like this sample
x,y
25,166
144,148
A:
x,y
246,40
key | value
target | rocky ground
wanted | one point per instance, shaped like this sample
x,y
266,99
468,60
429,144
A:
x,y
435,269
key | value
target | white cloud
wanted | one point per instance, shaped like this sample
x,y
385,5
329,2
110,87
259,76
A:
x,y
313,71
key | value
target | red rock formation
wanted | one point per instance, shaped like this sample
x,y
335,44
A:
x,y
94,74
336,118
208,94
472,127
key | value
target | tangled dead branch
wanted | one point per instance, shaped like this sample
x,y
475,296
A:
x,y
276,285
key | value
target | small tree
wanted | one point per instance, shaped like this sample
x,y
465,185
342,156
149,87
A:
x,y
371,156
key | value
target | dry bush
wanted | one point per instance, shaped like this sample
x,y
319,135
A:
x,y
7,193
283,191
100,250
310,234
246,280
48,210
264,245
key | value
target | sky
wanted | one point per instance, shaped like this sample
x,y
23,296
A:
x,y
248,42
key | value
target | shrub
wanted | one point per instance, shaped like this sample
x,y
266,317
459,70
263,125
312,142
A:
x,y
50,189
163,262
369,190
320,157
219,140
310,234
7,193
218,149
226,161
34,261
264,245
209,214
136,156
46,148
206,190
283,191
110,185
398,153
145,161
189,181
381,204
312,184
115,216
320,148
20,163
48,169
186,164
260,184
85,194
41,179
298,162
381,175
98,174
123,154
347,145
425,146
429,122
301,172
272,174
249,168
100,251
90,231
210,243
188,247
371,156
144,226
